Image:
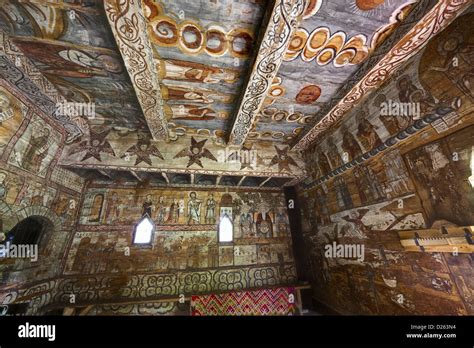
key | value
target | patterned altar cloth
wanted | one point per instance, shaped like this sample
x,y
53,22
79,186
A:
x,y
276,301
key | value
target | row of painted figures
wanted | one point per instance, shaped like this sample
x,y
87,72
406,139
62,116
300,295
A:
x,y
252,222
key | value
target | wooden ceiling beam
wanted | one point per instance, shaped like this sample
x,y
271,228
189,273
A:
x,y
283,20
137,53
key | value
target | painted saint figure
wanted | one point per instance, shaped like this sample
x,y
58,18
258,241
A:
x,y
323,163
282,222
112,210
366,133
160,219
368,185
264,225
211,210
96,208
333,154
457,65
181,207
246,225
173,216
343,195
36,151
148,206
350,145
194,209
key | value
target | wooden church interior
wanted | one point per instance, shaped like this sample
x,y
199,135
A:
x,y
175,157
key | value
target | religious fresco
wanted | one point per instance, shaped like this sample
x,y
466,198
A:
x,y
185,243
29,195
255,215
65,207
198,56
448,61
11,116
71,45
376,72
32,185
37,147
21,192
363,206
441,170
203,52
322,55
419,184
367,127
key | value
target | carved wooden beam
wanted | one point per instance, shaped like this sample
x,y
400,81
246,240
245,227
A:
x,y
284,19
130,30
437,19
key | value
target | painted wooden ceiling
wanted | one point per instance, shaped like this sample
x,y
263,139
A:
x,y
71,44
333,39
166,74
203,52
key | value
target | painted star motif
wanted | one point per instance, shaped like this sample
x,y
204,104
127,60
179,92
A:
x,y
246,162
94,146
142,151
283,160
196,152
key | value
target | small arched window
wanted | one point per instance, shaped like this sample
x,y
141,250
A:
x,y
144,231
226,229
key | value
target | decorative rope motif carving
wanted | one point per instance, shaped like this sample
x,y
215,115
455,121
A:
x,y
285,18
130,31
443,13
